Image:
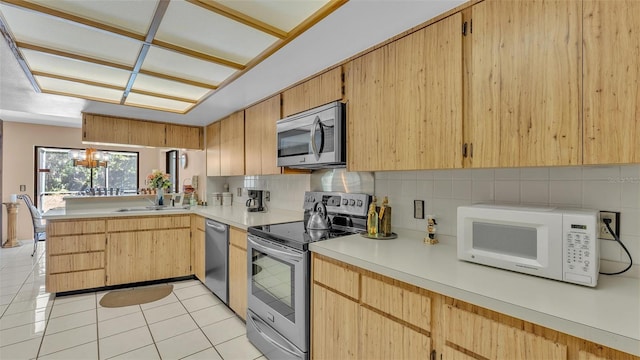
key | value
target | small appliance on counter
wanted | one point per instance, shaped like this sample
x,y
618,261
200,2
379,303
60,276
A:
x,y
254,203
555,243
278,316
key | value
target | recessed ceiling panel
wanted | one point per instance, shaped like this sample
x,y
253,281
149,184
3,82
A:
x,y
187,67
210,33
46,63
77,89
168,87
283,14
157,103
134,16
62,35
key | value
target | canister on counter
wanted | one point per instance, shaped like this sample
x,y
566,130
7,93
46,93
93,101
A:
x,y
227,199
216,199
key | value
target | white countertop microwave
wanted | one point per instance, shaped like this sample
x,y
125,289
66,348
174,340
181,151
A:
x,y
554,243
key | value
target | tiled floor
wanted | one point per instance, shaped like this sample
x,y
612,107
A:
x,y
191,323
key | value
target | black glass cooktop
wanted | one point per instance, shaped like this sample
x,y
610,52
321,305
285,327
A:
x,y
294,234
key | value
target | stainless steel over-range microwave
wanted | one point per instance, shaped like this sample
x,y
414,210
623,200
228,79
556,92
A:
x,y
560,244
313,139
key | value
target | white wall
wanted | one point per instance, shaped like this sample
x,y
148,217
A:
x,y
615,188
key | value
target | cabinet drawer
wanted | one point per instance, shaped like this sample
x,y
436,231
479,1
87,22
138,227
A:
x,y
494,340
75,227
238,238
75,280
337,277
397,299
75,244
199,222
132,224
173,222
76,262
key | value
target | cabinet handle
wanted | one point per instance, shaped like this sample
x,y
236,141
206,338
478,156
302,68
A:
x,y
471,150
464,28
464,150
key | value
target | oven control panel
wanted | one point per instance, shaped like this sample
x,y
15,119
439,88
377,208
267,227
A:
x,y
338,203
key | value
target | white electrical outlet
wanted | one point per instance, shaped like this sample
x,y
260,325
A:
x,y
604,233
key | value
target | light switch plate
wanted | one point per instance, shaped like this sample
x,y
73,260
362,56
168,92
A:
x,y
418,209
239,192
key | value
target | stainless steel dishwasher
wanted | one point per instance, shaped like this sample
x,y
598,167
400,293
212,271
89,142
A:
x,y
217,258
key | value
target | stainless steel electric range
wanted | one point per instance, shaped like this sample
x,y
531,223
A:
x,y
279,272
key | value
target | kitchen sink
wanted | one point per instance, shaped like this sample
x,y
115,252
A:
x,y
152,208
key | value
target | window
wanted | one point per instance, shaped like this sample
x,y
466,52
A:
x,y
56,177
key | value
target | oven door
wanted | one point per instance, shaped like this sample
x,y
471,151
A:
x,y
313,137
278,288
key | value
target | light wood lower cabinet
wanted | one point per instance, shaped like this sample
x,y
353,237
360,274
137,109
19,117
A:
x,y
369,323
148,255
334,325
383,318
238,271
75,255
197,247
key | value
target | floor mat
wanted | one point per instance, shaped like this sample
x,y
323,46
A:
x,y
128,297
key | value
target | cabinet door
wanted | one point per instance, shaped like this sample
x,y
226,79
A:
x,y
147,133
199,255
213,149
238,280
320,90
184,137
232,145
238,275
380,337
105,129
611,77
172,253
334,326
524,78
404,102
260,137
130,257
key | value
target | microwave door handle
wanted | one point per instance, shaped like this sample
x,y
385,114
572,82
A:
x,y
314,147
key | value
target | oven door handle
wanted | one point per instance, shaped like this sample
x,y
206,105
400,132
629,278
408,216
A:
x,y
267,250
256,322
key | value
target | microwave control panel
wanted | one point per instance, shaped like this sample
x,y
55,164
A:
x,y
581,258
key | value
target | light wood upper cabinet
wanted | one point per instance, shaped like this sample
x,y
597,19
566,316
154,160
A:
x,y
232,144
260,137
123,131
320,90
184,137
106,129
213,149
611,77
524,83
238,271
146,133
404,102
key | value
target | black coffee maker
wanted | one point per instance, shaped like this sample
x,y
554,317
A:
x,y
254,203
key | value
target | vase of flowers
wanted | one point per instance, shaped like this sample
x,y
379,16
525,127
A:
x,y
159,181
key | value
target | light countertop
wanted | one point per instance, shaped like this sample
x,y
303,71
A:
x,y
608,314
236,216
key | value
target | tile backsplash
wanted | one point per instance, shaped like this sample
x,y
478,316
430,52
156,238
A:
x,y
615,188
286,191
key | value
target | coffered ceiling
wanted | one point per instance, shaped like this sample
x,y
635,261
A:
x,y
166,55
83,55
